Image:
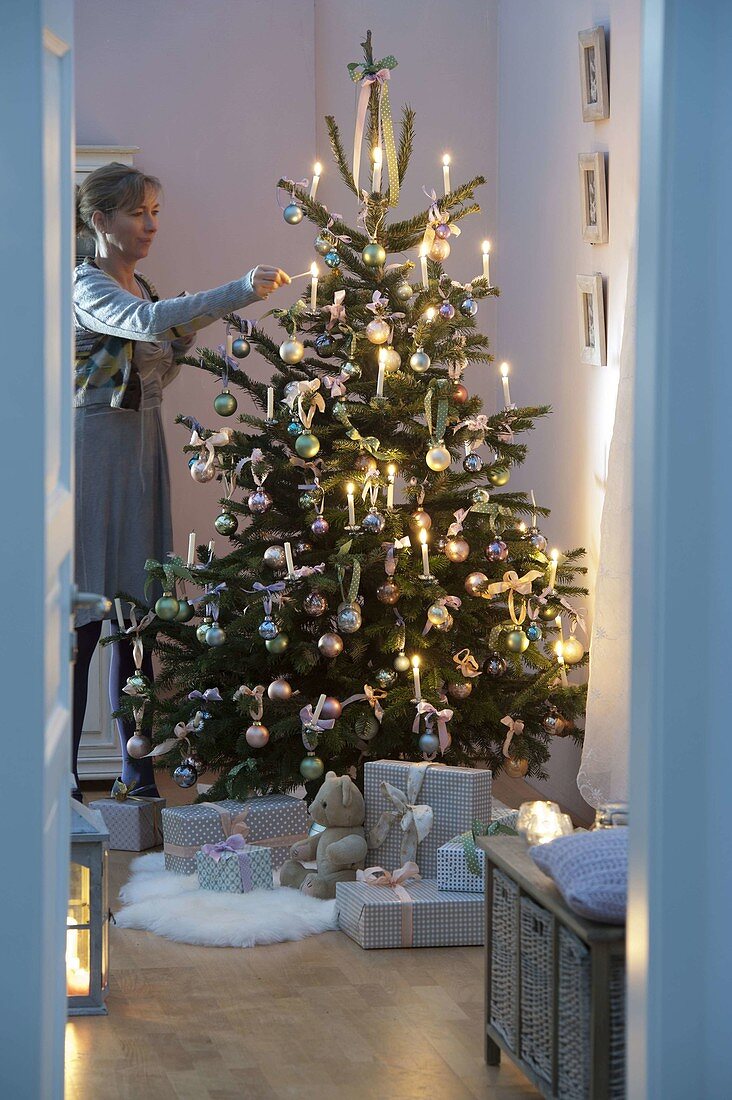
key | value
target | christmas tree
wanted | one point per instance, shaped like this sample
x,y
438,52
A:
x,y
378,597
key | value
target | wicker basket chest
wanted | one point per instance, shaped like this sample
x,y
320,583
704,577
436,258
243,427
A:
x,y
555,982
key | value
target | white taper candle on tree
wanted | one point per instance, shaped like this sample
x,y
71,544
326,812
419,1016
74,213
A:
x,y
120,616
382,372
423,265
390,474
317,169
553,561
191,549
313,286
376,177
425,555
446,172
487,261
288,559
351,504
417,684
270,402
318,707
504,378
229,342
559,650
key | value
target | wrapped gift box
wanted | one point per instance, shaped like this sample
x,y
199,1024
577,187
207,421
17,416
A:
x,y
276,821
379,916
133,824
236,872
460,864
457,797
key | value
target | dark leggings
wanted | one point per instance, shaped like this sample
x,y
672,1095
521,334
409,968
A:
x,y
122,665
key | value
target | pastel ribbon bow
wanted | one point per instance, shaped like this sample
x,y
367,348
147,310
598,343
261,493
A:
x,y
515,728
335,384
432,715
298,392
336,309
269,592
210,695
435,217
208,446
233,843
121,792
453,602
373,695
366,76
514,585
467,663
308,720
181,732
460,516
415,821
390,564
377,876
478,424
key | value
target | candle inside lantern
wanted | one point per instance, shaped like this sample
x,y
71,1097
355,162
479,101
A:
x,y
423,265
446,172
425,555
553,562
288,559
313,286
390,473
382,372
78,977
270,402
191,549
539,822
229,342
504,378
487,261
376,177
351,504
417,684
317,169
318,707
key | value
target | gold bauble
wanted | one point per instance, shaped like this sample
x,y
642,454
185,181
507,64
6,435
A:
x,y
438,458
517,769
474,583
457,550
439,250
460,690
447,625
572,650
517,641
377,331
402,662
388,592
421,519
438,614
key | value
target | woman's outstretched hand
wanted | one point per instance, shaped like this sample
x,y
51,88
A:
x,y
267,279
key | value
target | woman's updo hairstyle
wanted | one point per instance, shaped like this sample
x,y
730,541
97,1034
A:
x,y
110,188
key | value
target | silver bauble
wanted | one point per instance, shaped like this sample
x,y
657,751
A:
x,y
447,625
443,231
385,678
202,472
315,604
420,361
202,630
226,523
475,583
138,745
495,665
469,307
437,614
404,291
274,557
324,345
429,744
537,541
240,347
185,775
373,522
388,592
321,244
438,458
292,351
330,644
472,463
349,618
268,628
351,370
447,311
259,501
320,527
377,331
480,496
215,636
292,213
457,550
279,691
496,550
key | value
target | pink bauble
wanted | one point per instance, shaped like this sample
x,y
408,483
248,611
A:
x,y
257,735
331,708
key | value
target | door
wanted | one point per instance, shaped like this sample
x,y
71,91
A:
x,y
36,550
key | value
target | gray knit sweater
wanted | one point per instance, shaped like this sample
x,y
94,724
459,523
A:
x,y
101,305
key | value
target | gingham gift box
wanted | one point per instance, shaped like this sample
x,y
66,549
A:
x,y
454,798
133,823
409,914
460,863
234,868
275,821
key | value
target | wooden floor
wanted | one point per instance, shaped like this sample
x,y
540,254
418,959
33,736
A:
x,y
319,1019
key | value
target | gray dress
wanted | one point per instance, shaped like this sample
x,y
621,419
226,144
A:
x,y
122,484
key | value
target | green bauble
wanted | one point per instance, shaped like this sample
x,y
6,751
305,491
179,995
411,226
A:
x,y
549,611
225,403
186,611
278,644
307,445
404,291
311,767
517,641
166,607
480,496
498,475
292,213
202,630
351,370
307,500
226,523
374,255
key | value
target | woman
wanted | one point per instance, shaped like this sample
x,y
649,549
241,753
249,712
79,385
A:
x,y
128,348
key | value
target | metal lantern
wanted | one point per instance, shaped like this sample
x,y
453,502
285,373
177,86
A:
x,y
87,925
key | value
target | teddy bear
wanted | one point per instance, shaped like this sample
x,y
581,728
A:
x,y
339,850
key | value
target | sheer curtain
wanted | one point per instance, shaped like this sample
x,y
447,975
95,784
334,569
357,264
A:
x,y
603,773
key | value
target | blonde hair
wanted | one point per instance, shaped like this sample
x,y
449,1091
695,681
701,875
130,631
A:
x,y
110,188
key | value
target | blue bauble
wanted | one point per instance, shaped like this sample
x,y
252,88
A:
x,y
268,628
472,463
447,311
332,258
533,632
185,775
429,743
324,345
294,427
469,307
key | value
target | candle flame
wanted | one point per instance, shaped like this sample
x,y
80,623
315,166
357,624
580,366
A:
x,y
382,356
422,250
486,247
350,488
505,368
422,535
522,527
317,168
555,555
415,662
377,155
446,159
314,270
429,314
558,649
391,469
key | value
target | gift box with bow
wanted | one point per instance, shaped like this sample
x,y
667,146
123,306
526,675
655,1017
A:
x,y
133,822
275,821
460,863
413,809
398,909
232,866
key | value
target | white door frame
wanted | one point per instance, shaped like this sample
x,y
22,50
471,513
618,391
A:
x,y
679,938
36,550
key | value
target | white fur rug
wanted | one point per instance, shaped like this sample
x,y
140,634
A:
x,y
172,906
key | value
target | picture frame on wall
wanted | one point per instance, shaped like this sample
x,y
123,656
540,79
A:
x,y
593,196
594,92
593,339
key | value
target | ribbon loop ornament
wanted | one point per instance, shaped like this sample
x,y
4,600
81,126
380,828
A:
x,y
390,563
514,585
256,694
366,76
433,715
415,821
466,663
515,729
336,310
460,516
181,732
